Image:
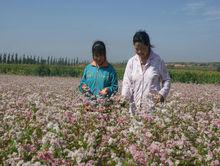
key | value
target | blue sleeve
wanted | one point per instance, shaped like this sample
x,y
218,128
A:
x,y
83,80
114,83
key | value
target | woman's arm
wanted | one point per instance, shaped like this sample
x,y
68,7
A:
x,y
114,83
127,82
165,78
83,85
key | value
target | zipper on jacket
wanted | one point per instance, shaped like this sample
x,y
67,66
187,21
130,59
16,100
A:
x,y
142,85
96,76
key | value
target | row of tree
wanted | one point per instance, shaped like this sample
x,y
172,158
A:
x,y
8,58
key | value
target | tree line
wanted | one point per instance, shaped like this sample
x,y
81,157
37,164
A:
x,y
14,58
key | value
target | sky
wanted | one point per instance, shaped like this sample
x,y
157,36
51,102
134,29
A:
x,y
180,30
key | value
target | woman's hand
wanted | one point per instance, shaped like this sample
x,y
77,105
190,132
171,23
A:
x,y
85,88
159,98
103,91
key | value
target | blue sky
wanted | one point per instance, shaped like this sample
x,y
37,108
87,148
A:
x,y
180,30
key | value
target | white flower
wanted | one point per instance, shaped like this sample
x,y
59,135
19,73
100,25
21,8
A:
x,y
111,129
167,120
70,153
56,128
163,110
91,151
113,155
119,163
50,125
111,141
78,155
20,163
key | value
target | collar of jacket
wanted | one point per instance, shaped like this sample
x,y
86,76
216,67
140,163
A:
x,y
151,56
105,64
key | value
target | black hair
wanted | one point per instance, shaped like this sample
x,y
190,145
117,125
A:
x,y
142,37
98,47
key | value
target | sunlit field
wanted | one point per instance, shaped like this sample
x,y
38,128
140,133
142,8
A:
x,y
46,121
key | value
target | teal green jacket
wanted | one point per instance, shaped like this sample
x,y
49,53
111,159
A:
x,y
98,78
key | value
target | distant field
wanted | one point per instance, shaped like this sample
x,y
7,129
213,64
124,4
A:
x,y
184,74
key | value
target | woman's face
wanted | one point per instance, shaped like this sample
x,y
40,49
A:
x,y
99,58
141,49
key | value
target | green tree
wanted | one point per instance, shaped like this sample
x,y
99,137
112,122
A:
x,y
43,70
9,59
4,58
16,58
24,61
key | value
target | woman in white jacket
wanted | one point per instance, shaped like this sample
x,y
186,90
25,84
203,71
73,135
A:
x,y
145,74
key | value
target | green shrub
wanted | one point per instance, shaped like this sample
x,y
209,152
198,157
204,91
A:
x,y
43,70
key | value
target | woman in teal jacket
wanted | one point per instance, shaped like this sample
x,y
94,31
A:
x,y
99,77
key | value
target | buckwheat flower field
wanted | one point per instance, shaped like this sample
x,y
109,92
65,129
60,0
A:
x,y
46,121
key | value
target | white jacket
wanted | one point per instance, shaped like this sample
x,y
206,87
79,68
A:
x,y
138,83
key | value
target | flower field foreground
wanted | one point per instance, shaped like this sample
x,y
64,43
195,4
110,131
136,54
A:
x,y
46,121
